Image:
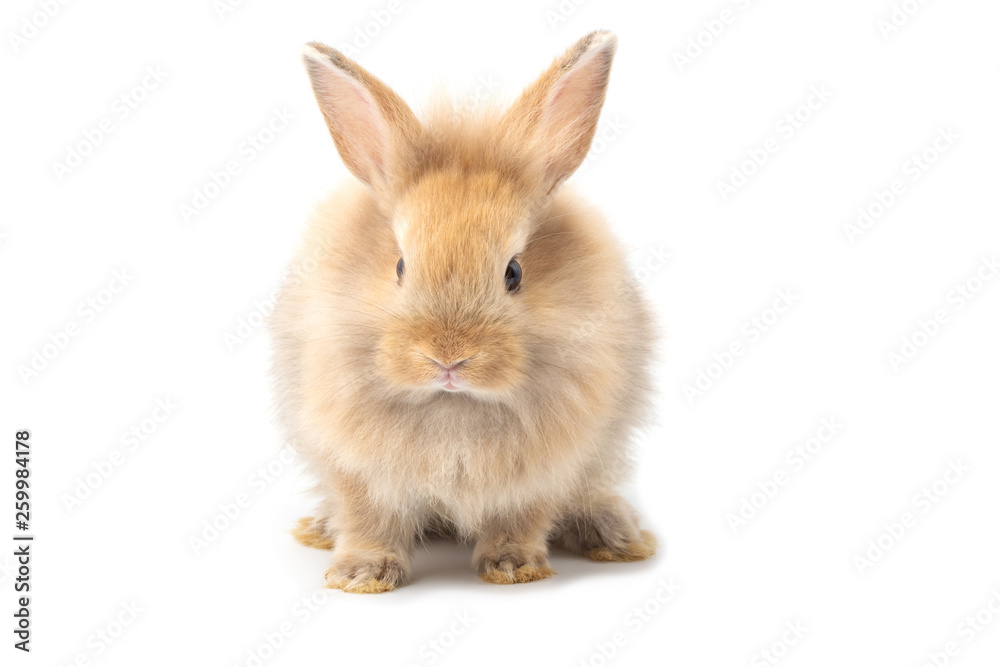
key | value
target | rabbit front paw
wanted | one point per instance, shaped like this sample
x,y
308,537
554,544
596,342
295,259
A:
x,y
312,532
367,573
625,550
513,567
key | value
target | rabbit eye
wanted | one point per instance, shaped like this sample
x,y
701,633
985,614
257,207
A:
x,y
399,268
513,275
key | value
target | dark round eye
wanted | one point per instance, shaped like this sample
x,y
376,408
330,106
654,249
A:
x,y
399,268
513,275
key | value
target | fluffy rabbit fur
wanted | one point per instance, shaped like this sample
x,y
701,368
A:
x,y
436,399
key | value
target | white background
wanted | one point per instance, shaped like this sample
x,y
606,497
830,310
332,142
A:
x,y
673,131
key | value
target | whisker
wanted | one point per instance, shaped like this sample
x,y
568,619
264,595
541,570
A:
x,y
534,239
328,372
333,325
546,363
367,303
312,413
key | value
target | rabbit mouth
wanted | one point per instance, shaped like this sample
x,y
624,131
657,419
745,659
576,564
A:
x,y
449,381
447,377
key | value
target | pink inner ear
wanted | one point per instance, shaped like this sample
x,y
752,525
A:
x,y
355,122
579,82
571,115
371,135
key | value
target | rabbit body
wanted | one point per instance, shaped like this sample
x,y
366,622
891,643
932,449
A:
x,y
460,347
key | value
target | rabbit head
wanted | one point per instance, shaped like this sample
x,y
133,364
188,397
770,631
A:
x,y
458,293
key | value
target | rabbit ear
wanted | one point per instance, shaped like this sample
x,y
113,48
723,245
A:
x,y
370,124
559,112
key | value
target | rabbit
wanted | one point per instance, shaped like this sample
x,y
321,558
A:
x,y
460,348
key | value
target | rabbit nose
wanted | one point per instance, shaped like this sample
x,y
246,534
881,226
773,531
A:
x,y
453,366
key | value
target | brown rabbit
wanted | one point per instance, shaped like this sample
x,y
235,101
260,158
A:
x,y
470,355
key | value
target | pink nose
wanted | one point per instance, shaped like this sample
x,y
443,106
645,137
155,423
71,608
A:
x,y
448,368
